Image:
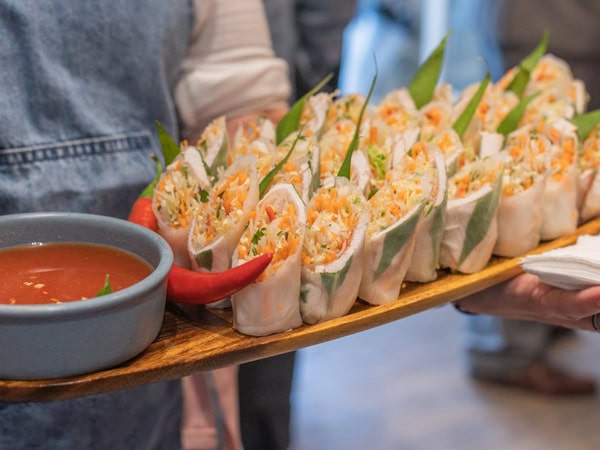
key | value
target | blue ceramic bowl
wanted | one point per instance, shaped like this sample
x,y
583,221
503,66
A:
x,y
74,338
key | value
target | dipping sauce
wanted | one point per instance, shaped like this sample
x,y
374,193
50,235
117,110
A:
x,y
65,272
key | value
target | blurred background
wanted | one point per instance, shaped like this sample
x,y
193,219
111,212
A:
x,y
405,385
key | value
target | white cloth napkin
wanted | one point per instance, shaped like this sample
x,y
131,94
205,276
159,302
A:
x,y
574,267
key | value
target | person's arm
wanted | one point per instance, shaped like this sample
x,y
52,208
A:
x,y
230,68
525,297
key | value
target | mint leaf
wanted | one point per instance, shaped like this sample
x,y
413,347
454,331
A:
x,y
106,289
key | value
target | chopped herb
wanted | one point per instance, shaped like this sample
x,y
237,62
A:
x,y
258,235
203,195
106,289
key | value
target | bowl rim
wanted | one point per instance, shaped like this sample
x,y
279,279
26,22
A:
x,y
119,299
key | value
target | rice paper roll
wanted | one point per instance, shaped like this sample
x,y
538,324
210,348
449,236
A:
x,y
545,108
262,149
333,146
396,213
435,117
333,251
560,215
397,109
443,92
491,144
346,107
260,128
177,198
221,219
271,304
551,75
426,159
213,146
579,96
588,162
303,167
520,208
471,227
495,106
451,146
314,114
378,147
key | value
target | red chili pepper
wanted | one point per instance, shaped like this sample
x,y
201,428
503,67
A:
x,y
270,213
187,286
198,288
141,211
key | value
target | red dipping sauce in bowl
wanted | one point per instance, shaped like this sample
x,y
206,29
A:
x,y
65,272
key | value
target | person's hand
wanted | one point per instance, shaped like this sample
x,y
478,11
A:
x,y
525,297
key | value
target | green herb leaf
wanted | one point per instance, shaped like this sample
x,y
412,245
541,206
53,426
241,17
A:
x,y
258,235
423,84
170,149
268,179
586,122
203,195
333,280
480,220
521,79
303,296
396,238
378,161
463,121
291,121
511,122
345,167
204,259
106,289
437,227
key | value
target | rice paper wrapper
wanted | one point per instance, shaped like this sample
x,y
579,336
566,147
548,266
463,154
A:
x,y
425,262
559,206
387,257
520,221
491,144
224,216
261,128
272,304
360,171
314,114
330,289
305,160
214,145
589,189
176,232
471,230
403,144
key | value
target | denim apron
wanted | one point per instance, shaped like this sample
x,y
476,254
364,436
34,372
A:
x,y
81,85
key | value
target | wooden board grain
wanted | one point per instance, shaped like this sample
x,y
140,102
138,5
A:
x,y
196,339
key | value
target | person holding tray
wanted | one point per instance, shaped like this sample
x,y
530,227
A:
x,y
514,352
82,84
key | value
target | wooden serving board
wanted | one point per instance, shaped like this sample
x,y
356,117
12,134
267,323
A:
x,y
196,339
